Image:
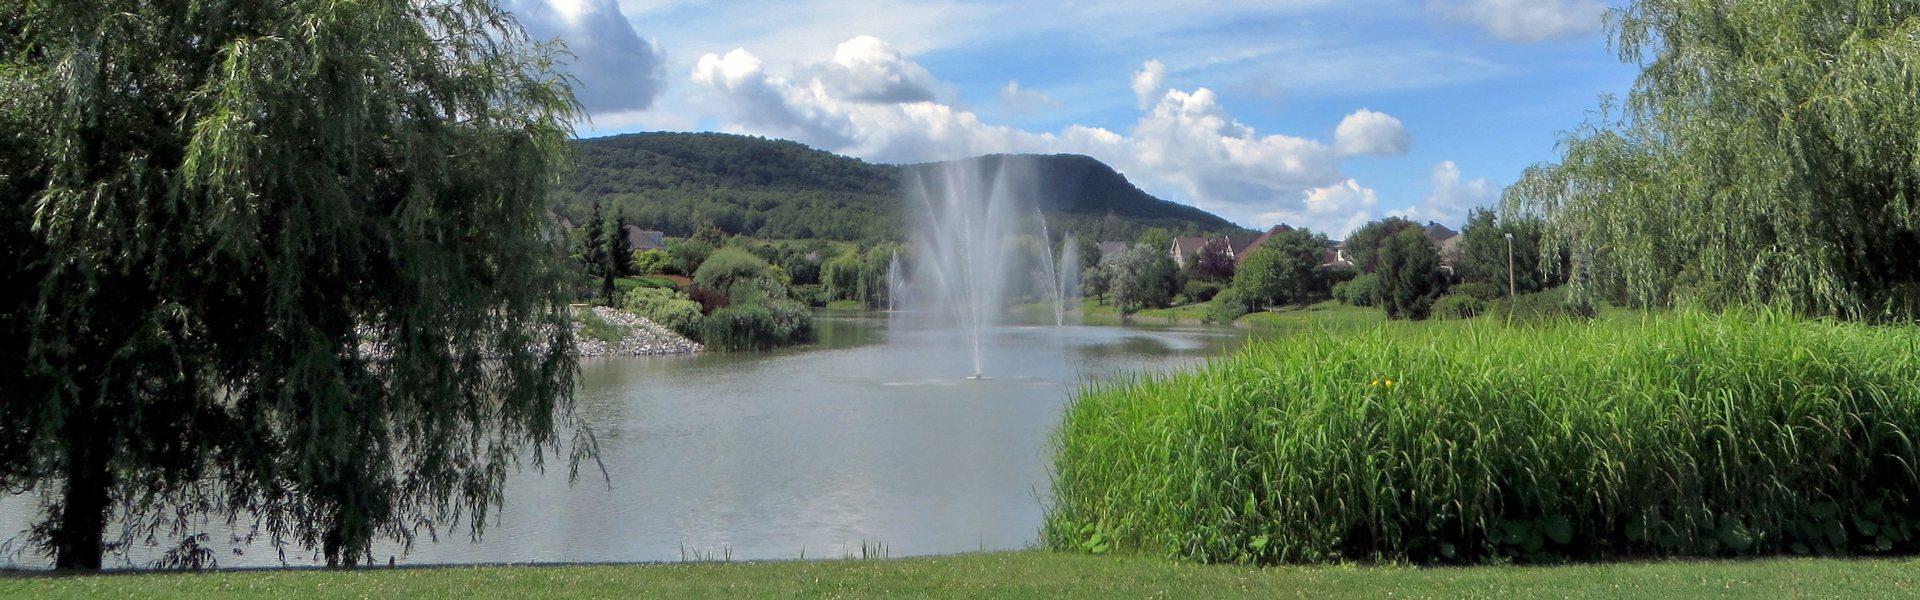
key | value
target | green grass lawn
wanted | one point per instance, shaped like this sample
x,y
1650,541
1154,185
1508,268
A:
x,y
1015,575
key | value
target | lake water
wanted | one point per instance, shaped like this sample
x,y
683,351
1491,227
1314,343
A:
x,y
872,437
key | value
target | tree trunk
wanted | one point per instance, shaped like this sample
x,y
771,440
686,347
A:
x,y
78,538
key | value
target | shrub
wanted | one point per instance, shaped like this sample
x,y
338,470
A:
x,y
1458,306
728,266
1362,290
709,299
1200,291
687,255
1548,307
670,309
1674,435
1227,307
648,262
757,326
1479,290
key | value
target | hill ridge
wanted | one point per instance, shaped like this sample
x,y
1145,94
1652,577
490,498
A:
x,y
767,187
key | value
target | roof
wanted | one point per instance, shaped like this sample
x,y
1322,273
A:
x,y
1262,240
643,239
1189,245
1239,243
1109,249
1331,258
1439,233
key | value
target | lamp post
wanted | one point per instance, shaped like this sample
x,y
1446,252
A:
x,y
1510,285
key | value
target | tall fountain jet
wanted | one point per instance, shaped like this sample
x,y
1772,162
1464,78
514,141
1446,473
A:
x,y
966,221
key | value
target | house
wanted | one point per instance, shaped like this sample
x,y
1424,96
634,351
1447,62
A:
x,y
1108,250
1240,251
1186,249
641,239
1445,240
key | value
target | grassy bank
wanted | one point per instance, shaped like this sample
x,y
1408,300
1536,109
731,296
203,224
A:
x,y
1012,575
1668,435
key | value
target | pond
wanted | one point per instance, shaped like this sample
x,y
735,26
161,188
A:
x,y
873,439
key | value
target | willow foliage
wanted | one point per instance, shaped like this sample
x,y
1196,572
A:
x,y
1768,153
279,263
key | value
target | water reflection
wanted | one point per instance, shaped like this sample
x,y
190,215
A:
x,y
871,436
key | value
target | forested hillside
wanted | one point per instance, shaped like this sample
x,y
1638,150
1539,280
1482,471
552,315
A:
x,y
677,182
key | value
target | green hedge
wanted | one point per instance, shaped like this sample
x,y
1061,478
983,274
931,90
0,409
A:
x,y
1471,441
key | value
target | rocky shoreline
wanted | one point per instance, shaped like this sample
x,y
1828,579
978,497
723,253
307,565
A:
x,y
644,337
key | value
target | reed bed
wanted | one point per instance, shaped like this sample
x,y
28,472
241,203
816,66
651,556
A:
x,y
1731,434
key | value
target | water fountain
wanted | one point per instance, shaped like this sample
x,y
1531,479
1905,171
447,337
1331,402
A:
x,y
967,224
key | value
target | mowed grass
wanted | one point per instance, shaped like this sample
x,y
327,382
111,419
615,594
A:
x,y
1738,434
1012,575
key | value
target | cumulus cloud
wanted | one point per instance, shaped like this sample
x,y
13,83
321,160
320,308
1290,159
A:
x,y
1368,132
1525,20
1187,146
1149,81
1336,210
1450,198
868,69
617,70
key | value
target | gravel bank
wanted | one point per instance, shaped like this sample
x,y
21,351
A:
x,y
644,337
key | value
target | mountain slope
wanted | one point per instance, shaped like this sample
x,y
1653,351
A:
x,y
677,182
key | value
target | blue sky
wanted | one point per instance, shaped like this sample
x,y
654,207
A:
x,y
1323,113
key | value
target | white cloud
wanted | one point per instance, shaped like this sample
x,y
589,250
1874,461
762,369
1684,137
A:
x,y
1335,210
1188,146
1368,132
1015,100
1149,81
617,69
868,69
1525,20
1450,199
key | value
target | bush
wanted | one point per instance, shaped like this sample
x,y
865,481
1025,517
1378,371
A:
x,y
1227,307
757,326
1458,306
709,299
1200,291
1548,307
670,309
1479,290
1362,290
1468,442
687,255
730,266
648,262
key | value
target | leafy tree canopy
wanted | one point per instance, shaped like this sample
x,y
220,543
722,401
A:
x,y
1281,270
1765,154
280,262
1363,246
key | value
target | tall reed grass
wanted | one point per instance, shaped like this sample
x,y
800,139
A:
x,y
1660,435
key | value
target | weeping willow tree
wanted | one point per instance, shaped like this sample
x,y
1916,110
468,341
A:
x,y
277,265
1769,152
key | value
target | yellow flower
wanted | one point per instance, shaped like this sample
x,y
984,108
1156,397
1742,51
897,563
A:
x,y
1376,382
1389,383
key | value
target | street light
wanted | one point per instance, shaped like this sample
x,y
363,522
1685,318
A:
x,y
1510,286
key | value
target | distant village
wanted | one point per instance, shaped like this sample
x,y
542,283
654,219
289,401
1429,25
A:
x,y
1184,249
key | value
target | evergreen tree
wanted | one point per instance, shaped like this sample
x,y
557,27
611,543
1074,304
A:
x,y
1409,274
1483,252
280,262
